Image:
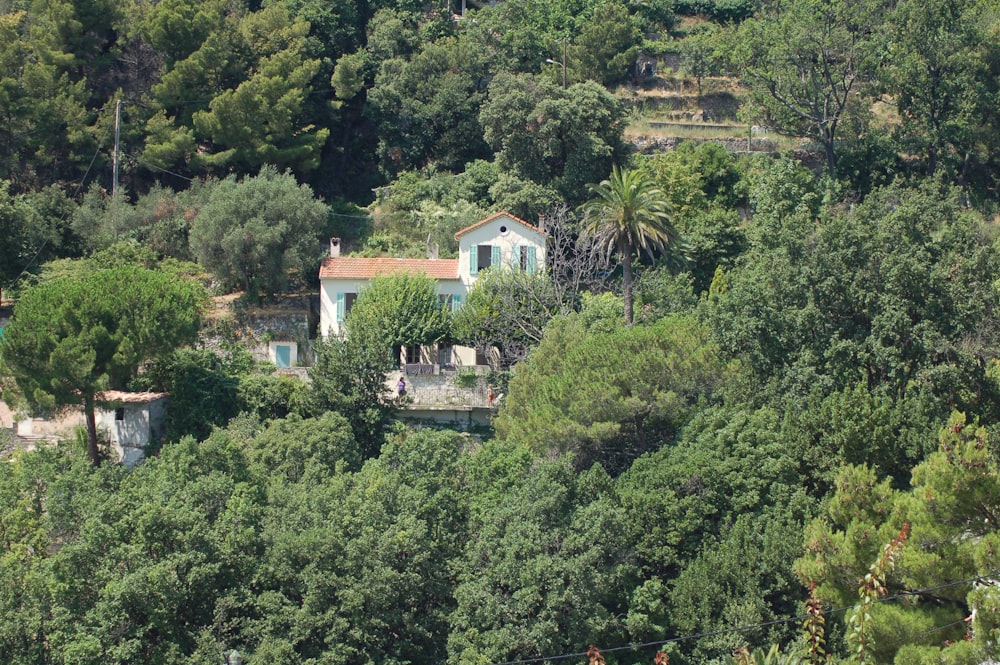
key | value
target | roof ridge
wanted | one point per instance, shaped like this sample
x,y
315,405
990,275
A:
x,y
502,213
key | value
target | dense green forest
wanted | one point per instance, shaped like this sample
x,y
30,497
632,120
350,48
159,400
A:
x,y
766,432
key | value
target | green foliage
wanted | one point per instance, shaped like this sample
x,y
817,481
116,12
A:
x,y
628,214
660,293
726,462
948,542
398,310
937,59
723,11
560,139
847,299
806,61
44,97
158,554
426,107
784,196
162,219
159,221
348,376
542,570
203,392
872,589
75,336
413,190
424,207
695,174
177,28
272,396
860,322
259,118
357,566
507,310
307,449
772,656
858,426
702,54
523,198
26,235
713,239
703,184
252,233
606,47
741,579
335,28
608,396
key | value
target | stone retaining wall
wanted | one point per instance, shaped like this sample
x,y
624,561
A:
x,y
650,145
442,390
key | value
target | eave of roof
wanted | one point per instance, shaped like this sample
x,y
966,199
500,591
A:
x,y
124,397
349,267
502,213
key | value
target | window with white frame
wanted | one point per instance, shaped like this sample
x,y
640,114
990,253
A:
x,y
482,257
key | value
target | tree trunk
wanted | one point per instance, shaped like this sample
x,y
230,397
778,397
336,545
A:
x,y
831,157
88,411
626,251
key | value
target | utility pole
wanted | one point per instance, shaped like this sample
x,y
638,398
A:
x,y
553,62
564,63
114,157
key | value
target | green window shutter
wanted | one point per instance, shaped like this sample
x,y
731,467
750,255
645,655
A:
x,y
515,258
340,307
473,259
495,256
456,302
532,259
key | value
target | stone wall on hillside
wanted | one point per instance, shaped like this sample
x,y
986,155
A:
x,y
288,318
650,145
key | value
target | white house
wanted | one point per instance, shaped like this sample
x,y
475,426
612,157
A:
x,y
499,241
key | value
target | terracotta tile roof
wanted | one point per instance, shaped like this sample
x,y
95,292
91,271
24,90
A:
x,y
123,397
502,213
346,267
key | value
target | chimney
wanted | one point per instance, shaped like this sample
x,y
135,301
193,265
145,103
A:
x,y
432,251
334,248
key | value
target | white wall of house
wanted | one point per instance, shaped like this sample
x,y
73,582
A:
x,y
332,322
508,242
511,240
332,315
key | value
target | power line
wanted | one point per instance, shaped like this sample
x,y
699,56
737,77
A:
x,y
154,167
746,628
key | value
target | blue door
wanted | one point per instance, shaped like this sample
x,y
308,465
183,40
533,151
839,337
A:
x,y
283,355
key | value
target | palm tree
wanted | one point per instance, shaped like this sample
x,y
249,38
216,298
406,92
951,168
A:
x,y
629,213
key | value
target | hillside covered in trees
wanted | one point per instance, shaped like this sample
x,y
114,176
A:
x,y
749,392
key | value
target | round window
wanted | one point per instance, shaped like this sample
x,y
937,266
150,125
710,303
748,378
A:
x,y
503,230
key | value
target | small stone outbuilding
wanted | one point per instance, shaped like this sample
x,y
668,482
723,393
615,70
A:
x,y
132,422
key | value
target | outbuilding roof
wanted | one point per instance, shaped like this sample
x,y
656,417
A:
x,y
502,213
123,397
345,267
